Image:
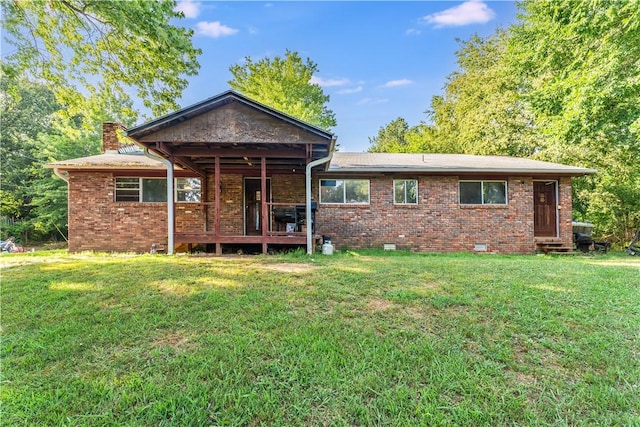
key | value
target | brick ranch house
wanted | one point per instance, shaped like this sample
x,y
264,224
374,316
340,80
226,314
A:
x,y
229,172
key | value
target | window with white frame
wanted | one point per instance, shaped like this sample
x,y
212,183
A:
x,y
188,190
154,190
343,191
483,192
405,191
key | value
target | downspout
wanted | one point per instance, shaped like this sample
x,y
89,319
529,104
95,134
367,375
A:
x,y
62,175
170,213
310,224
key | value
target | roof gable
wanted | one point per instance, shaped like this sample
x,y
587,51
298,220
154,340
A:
x,y
229,117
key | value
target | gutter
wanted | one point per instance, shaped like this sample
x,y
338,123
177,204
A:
x,y
170,201
451,171
62,175
310,224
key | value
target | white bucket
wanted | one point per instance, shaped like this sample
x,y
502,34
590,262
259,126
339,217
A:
x,y
327,249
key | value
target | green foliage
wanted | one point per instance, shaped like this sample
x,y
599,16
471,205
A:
x,y
34,133
578,68
562,85
91,52
285,85
393,339
480,111
399,137
73,64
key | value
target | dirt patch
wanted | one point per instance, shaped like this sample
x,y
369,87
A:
x,y
175,340
430,285
414,313
289,267
379,304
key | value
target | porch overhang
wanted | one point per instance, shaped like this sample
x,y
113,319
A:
x,y
237,130
232,134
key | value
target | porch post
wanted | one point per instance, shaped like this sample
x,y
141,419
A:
x,y
263,203
216,184
171,209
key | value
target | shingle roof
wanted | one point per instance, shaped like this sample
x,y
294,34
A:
x,y
363,162
446,163
108,161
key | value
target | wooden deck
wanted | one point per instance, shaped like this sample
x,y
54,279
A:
x,y
196,237
272,238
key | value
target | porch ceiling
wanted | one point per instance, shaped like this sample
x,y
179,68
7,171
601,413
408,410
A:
x,y
200,157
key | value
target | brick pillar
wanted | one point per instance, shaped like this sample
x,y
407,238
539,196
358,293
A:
x,y
110,136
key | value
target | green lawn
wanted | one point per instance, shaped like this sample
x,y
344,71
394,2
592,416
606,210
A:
x,y
353,339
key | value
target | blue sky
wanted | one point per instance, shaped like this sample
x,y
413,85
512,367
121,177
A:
x,y
377,60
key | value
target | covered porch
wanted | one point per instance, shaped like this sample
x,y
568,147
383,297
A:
x,y
254,167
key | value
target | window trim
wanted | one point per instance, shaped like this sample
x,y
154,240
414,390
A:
x,y
141,187
482,181
405,203
177,191
344,192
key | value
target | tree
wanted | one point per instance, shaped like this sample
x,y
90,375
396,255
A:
x,y
480,111
33,199
398,137
27,111
577,65
285,85
390,138
561,85
88,51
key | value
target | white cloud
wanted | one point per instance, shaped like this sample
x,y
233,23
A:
x,y
469,12
413,32
396,83
191,9
328,82
214,29
372,101
350,90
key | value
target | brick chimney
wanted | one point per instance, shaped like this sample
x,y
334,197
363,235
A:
x,y
110,141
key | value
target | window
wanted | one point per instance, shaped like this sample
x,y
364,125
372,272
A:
x,y
405,192
127,189
154,190
483,192
354,191
188,190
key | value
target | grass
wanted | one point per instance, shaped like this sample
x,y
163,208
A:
x,y
353,339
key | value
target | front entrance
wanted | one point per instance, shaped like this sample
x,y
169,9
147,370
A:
x,y
545,209
253,221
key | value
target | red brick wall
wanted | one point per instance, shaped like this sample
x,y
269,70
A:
x,y
231,210
565,209
110,140
97,223
439,223
288,188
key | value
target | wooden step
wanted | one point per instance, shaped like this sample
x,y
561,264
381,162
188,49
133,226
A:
x,y
555,247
